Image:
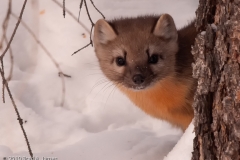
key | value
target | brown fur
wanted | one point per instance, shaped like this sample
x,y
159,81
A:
x,y
168,87
166,100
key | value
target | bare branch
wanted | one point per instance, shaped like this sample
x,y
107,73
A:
x,y
63,74
11,61
17,112
5,83
5,22
90,43
89,17
15,29
97,9
11,70
64,8
4,38
80,7
81,48
48,54
85,3
70,13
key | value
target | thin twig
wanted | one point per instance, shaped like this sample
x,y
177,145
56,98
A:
x,y
4,38
11,61
17,112
81,48
64,8
63,74
63,87
72,15
11,70
15,29
80,7
89,17
5,83
90,43
4,29
97,9
5,22
48,54
85,3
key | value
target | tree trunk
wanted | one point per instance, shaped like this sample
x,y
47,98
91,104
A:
x,y
217,68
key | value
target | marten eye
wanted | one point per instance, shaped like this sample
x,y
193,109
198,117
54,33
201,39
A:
x,y
153,59
120,61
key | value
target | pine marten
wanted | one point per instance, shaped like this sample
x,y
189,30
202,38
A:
x,y
149,60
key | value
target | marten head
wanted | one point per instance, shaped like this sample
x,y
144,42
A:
x,y
136,52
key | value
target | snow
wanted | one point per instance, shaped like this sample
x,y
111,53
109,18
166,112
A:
x,y
183,149
214,27
97,121
203,33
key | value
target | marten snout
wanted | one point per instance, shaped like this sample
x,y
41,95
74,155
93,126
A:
x,y
138,79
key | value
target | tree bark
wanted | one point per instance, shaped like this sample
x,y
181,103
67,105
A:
x,y
217,67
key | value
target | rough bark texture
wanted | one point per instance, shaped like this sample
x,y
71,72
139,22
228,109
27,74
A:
x,y
217,68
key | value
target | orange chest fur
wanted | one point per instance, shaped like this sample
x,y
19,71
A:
x,y
165,100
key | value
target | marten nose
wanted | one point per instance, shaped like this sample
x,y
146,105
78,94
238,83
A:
x,y
138,79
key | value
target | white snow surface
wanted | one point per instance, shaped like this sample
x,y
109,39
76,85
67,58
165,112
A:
x,y
97,122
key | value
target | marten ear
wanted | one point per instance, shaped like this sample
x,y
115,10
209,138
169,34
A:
x,y
165,28
103,32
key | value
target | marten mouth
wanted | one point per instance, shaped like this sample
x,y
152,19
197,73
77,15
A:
x,y
148,83
139,87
